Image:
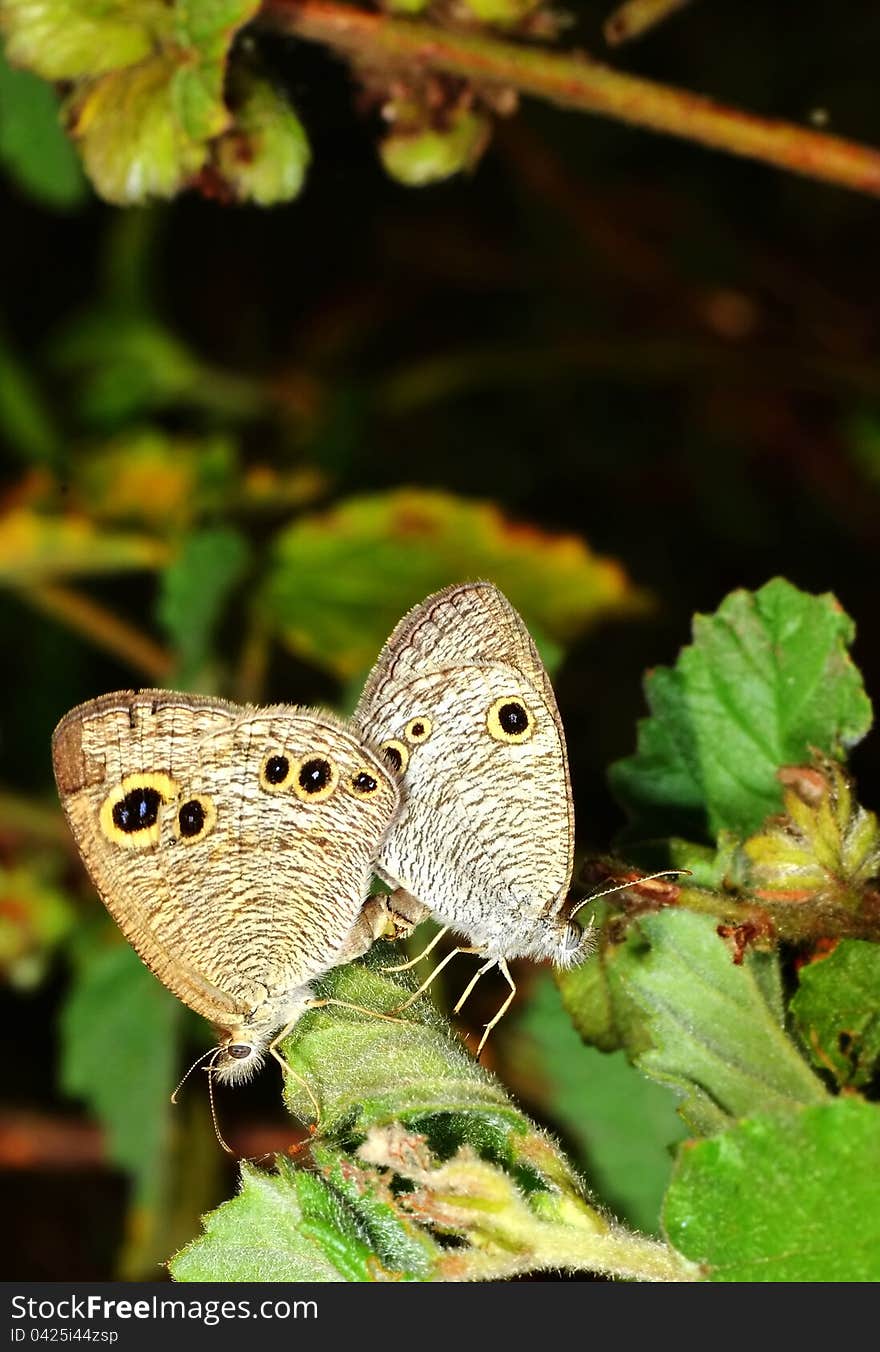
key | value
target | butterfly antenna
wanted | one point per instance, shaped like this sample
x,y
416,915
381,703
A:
x,y
217,1131
634,882
212,1051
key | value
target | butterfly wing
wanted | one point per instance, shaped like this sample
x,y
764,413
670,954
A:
x,y
461,699
235,884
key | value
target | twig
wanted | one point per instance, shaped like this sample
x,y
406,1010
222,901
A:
x,y
575,81
101,627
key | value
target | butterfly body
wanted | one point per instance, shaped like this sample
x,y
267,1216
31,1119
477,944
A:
x,y
232,845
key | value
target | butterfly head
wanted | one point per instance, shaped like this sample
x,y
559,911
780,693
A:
x,y
239,1058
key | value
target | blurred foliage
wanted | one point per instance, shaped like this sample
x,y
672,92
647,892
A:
x,y
620,377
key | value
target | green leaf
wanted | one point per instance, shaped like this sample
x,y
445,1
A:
x,y
264,156
767,679
716,1028
133,143
262,1236
67,39
24,418
145,477
119,1053
36,548
340,580
35,915
622,1124
837,1011
598,998
193,591
343,1056
783,1199
33,146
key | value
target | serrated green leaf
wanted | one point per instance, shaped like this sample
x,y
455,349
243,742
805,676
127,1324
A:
x,y
401,1245
264,156
133,143
783,1199
767,679
598,998
837,1011
343,1054
715,1027
193,590
33,146
119,1053
622,1124
258,1236
340,580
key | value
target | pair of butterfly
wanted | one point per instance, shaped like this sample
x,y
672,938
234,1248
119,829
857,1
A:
x,y
235,846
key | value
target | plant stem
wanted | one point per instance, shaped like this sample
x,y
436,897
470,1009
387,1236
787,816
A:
x,y
101,627
576,81
619,1253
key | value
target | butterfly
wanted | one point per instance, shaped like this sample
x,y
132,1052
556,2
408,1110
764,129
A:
x,y
462,708
232,845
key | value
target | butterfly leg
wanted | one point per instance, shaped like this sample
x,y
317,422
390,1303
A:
x,y
347,1004
433,976
405,966
505,972
481,971
288,1069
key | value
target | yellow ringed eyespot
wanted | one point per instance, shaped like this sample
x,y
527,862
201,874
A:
x,y
396,754
508,720
418,730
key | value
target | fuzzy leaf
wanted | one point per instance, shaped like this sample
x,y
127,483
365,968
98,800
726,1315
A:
x,y
342,579
262,1236
716,1027
825,850
767,679
783,1199
837,1011
622,1124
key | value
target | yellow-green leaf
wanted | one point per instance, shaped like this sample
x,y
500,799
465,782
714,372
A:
x,y
341,579
35,548
264,156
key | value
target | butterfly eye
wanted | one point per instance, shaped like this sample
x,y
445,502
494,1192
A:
x,y
508,720
397,755
130,815
315,779
195,818
364,784
418,730
239,1050
275,773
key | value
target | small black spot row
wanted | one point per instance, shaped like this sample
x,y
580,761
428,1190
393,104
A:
x,y
513,718
364,783
314,775
137,811
277,769
191,818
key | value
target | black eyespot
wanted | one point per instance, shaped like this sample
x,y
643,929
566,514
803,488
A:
x,y
417,728
393,754
191,818
137,811
276,769
239,1050
513,719
364,783
314,775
